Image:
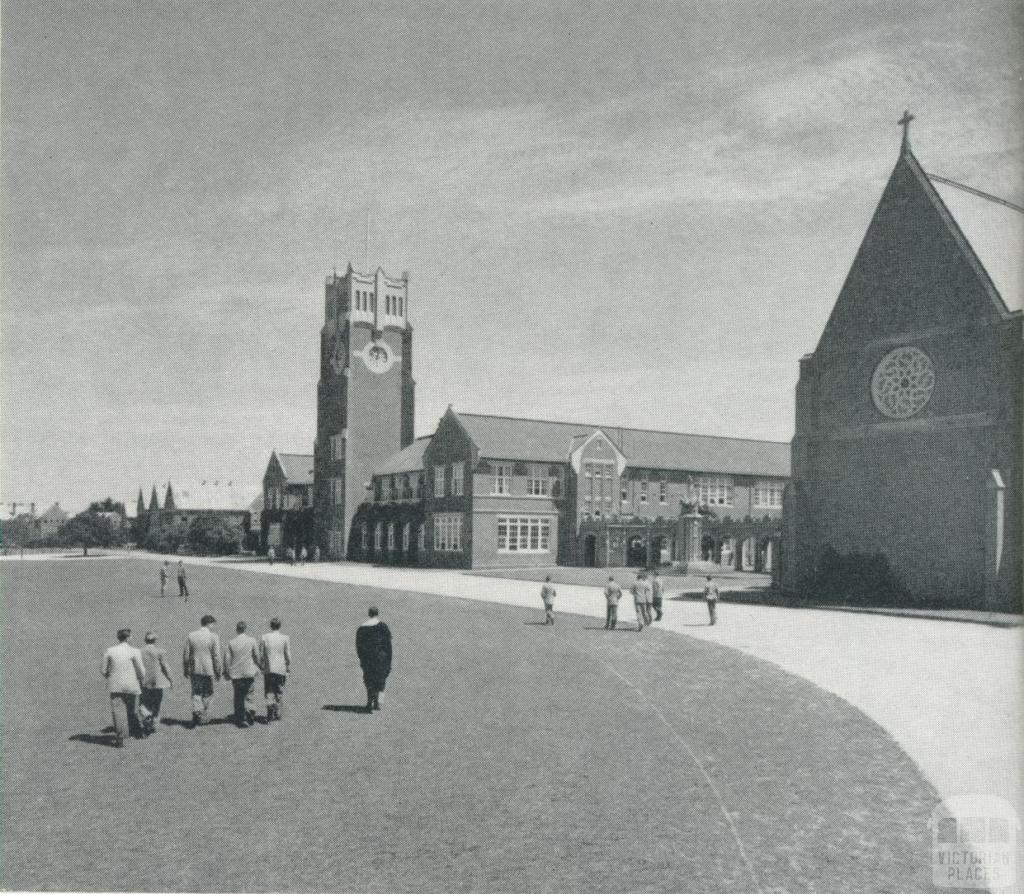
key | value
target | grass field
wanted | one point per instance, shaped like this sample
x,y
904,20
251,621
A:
x,y
508,756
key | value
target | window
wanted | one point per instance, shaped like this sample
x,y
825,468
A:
x,y
502,482
386,489
406,532
588,470
337,447
337,491
768,494
364,536
438,481
643,491
401,303
625,491
378,536
391,536
418,485
523,534
336,544
448,533
663,492
714,491
538,484
421,538
458,472
406,487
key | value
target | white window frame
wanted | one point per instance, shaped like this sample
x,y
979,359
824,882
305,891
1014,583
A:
x,y
391,536
378,536
643,491
501,483
768,494
663,491
406,536
336,491
438,481
714,490
364,537
421,537
524,533
448,532
458,479
539,482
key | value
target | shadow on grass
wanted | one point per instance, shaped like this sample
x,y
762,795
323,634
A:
x,y
618,629
187,724
107,739
536,623
348,709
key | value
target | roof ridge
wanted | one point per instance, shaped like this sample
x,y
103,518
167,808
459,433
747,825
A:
x,y
603,427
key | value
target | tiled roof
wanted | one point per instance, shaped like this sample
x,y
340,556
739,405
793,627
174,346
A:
x,y
503,437
54,513
408,460
298,467
996,233
213,494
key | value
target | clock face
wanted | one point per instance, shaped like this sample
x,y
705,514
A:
x,y
377,357
903,382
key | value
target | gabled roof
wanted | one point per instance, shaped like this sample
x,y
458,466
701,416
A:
x,y
207,494
536,440
54,513
297,467
996,234
408,460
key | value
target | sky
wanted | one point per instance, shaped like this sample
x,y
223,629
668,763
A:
x,y
636,214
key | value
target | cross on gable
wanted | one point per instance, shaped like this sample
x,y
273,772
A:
x,y
904,122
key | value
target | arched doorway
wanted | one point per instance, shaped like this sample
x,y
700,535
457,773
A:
x,y
636,552
590,551
661,550
708,550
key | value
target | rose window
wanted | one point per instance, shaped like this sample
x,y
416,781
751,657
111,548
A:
x,y
903,383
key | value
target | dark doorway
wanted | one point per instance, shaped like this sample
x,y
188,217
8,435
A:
x,y
590,551
636,553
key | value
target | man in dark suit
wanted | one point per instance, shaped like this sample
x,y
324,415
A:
x,y
373,646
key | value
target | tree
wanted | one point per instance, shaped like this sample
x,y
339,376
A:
x,y
213,535
108,505
87,529
18,531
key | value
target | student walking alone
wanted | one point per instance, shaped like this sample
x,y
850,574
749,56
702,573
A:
x,y
711,596
612,594
163,579
182,586
373,646
547,593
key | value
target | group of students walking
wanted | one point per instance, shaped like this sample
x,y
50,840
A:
x,y
648,599
137,678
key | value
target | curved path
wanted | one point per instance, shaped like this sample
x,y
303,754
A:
x,y
950,693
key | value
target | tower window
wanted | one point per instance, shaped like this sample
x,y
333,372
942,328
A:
x,y
458,471
438,481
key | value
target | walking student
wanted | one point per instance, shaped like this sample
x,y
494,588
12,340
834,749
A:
x,y
276,662
202,665
711,596
241,664
124,671
157,679
163,579
639,591
612,595
182,585
548,594
373,646
657,594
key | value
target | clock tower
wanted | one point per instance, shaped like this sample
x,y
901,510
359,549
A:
x,y
365,397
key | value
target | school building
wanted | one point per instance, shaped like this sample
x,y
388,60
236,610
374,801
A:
x,y
494,491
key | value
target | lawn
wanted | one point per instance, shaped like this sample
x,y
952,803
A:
x,y
508,756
